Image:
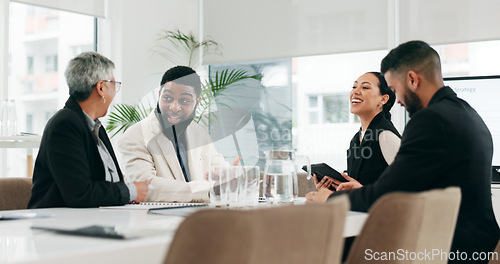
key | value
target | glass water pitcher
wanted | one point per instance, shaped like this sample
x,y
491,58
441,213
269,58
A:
x,y
280,176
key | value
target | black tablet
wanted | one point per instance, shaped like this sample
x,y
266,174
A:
x,y
322,169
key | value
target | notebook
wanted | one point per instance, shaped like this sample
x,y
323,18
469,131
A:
x,y
153,205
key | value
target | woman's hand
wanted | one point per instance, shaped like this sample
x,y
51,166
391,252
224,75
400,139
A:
x,y
325,182
318,197
351,184
328,181
323,190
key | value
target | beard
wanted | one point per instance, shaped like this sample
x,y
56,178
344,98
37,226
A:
x,y
412,102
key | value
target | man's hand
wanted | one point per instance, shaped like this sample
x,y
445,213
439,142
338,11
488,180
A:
x,y
318,197
236,161
351,184
142,191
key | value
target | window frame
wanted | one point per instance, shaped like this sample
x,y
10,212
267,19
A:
x,y
321,111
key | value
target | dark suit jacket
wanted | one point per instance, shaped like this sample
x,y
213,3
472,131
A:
x,y
68,170
444,144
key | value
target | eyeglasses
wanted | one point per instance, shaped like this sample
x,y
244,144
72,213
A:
x,y
118,85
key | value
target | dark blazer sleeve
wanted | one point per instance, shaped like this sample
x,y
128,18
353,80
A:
x,y
421,158
69,161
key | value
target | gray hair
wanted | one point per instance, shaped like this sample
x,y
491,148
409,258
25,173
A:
x,y
85,71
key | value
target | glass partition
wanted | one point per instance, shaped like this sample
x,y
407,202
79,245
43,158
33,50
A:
x,y
301,104
255,116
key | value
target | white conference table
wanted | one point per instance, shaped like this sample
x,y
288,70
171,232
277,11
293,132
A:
x,y
21,244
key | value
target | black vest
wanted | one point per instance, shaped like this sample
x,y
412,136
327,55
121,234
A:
x,y
365,161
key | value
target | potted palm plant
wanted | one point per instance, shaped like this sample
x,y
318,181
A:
x,y
182,49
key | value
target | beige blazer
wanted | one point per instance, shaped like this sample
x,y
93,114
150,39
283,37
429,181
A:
x,y
149,155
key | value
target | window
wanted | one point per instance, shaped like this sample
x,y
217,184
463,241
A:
x,y
38,43
51,63
30,63
313,110
75,50
313,101
37,39
470,59
324,125
267,103
29,123
318,114
329,109
48,115
336,108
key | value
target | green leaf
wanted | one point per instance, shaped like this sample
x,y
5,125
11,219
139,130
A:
x,y
124,116
184,49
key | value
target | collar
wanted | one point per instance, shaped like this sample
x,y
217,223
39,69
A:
x,y
442,93
380,116
73,105
92,123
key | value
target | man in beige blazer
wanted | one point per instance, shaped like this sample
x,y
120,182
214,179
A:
x,y
169,149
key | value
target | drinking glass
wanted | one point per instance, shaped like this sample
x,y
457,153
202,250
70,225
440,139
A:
x,y
9,118
4,129
217,177
12,125
251,176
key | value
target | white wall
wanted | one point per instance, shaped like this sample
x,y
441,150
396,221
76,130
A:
x,y
128,36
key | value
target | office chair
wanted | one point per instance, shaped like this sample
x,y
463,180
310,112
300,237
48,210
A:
x,y
496,258
288,234
15,193
408,221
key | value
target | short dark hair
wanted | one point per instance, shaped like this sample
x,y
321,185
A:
x,y
183,75
384,89
413,55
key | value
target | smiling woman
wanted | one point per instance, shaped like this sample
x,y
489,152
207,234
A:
x,y
375,145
